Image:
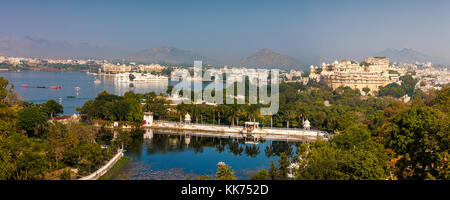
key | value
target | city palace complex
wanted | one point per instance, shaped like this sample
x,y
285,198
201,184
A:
x,y
375,72
371,73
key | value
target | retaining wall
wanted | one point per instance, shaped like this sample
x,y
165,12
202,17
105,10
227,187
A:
x,y
105,168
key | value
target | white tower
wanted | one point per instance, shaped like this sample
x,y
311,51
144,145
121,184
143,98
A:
x,y
306,125
187,118
148,118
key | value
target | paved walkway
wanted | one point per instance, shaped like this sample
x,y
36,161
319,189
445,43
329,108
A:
x,y
237,129
105,168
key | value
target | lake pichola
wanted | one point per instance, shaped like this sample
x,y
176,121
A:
x,y
155,155
71,98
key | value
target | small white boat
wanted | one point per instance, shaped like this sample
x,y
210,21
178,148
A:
x,y
97,81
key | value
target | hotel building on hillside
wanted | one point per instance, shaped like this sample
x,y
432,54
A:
x,y
112,68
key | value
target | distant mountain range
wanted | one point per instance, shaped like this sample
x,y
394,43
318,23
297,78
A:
x,y
410,55
266,58
169,55
37,47
263,58
42,48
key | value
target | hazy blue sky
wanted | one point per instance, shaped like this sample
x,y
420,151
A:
x,y
231,29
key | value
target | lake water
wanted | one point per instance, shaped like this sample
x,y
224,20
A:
x,y
69,80
162,156
154,155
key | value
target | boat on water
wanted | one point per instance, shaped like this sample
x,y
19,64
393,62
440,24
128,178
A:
x,y
24,86
71,97
139,77
97,81
55,87
76,88
40,86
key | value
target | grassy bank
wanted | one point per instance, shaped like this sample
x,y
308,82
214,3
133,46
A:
x,y
116,168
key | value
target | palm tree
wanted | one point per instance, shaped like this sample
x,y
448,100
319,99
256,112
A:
x,y
287,114
182,108
235,109
219,109
254,112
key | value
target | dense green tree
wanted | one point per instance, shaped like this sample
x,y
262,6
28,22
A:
x,y
86,157
157,105
377,120
59,140
421,137
104,136
224,172
52,108
392,89
65,175
197,178
131,77
169,90
283,166
351,155
352,137
58,146
32,120
83,132
135,113
261,175
22,159
274,174
114,108
441,99
395,90
394,108
366,90
123,139
408,84
318,161
8,97
3,89
364,163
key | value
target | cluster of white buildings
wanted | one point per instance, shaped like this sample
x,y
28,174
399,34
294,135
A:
x,y
413,65
293,76
22,60
432,78
132,67
111,68
234,73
